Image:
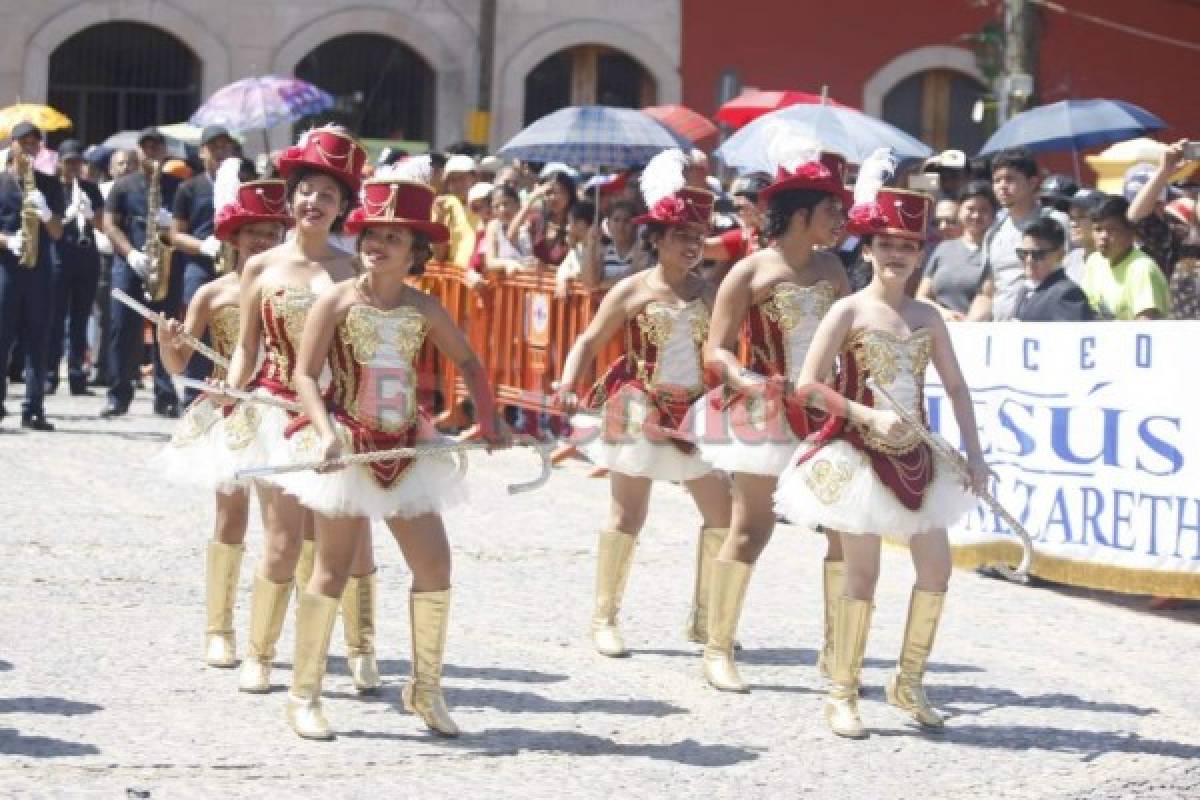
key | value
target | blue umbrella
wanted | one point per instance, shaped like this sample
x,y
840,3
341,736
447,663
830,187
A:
x,y
836,128
594,135
1073,125
261,102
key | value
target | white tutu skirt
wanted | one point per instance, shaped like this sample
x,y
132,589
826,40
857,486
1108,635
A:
x,y
741,439
629,451
838,489
208,447
429,484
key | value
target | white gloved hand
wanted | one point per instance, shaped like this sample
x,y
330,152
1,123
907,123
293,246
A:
x,y
14,242
138,262
164,217
39,202
210,246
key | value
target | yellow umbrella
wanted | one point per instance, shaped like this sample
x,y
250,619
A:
x,y
45,117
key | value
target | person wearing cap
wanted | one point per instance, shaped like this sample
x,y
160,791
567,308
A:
x,y
1082,240
479,203
323,172
872,482
76,271
1015,182
1147,193
192,234
1120,279
664,313
778,294
369,332
489,168
26,292
452,210
1056,192
951,168
125,226
251,219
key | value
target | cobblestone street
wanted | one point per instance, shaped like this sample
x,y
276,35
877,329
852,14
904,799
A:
x,y
1060,694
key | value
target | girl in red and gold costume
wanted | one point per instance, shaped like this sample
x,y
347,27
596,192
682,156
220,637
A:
x,y
368,332
645,396
323,173
252,221
751,426
868,485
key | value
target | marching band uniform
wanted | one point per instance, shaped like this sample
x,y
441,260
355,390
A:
x,y
256,433
198,452
759,433
852,481
374,348
655,382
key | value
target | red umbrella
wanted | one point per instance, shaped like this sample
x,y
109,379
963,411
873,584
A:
x,y
683,121
752,104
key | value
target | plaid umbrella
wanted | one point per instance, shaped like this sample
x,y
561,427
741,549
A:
x,y
260,103
593,135
837,128
753,103
1073,125
683,121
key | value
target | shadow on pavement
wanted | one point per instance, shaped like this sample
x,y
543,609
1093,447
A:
x,y
531,703
398,667
5,666
46,705
133,436
991,698
513,741
806,657
1089,744
13,743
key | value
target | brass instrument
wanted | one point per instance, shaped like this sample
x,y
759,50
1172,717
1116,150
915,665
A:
x,y
31,224
158,253
226,259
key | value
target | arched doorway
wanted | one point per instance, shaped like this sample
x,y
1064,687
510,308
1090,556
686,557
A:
x,y
383,89
122,76
587,75
935,106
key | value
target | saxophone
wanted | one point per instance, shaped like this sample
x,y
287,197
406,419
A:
x,y
158,254
31,224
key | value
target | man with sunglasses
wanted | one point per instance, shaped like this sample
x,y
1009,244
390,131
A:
x,y
1053,297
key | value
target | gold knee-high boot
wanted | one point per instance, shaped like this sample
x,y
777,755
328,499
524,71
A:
x,y
707,547
835,581
224,564
315,614
613,559
729,582
852,621
358,624
904,690
268,606
305,566
429,614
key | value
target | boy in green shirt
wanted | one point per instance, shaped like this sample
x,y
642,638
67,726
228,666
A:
x,y
1120,280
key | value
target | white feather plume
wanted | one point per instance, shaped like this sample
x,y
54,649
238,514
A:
x,y
876,172
413,168
788,149
663,175
226,183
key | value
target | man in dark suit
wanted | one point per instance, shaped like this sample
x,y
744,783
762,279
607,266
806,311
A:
x,y
76,270
125,223
26,293
1053,297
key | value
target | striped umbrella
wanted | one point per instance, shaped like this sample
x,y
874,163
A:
x,y
261,102
686,123
593,135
